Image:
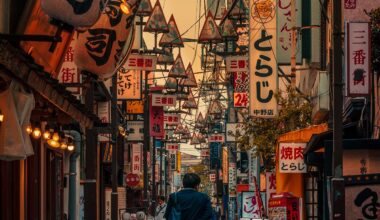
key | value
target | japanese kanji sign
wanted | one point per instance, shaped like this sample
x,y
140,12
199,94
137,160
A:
x,y
263,66
141,62
156,128
270,178
69,71
362,201
237,63
172,119
135,130
358,55
225,165
233,131
349,4
129,84
284,31
205,153
291,158
250,205
241,89
135,107
163,100
218,138
136,158
172,147
232,179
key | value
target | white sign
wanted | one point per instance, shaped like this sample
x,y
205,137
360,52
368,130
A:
x,y
232,179
237,64
136,158
358,55
205,153
163,100
253,169
250,205
284,31
173,148
219,138
141,62
104,116
212,177
135,130
129,84
234,131
172,119
262,63
291,158
107,203
69,72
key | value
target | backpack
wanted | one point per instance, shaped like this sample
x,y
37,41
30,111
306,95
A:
x,y
175,213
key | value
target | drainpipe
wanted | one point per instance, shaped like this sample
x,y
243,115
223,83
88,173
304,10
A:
x,y
73,172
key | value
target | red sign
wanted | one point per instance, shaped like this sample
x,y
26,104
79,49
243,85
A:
x,y
172,147
141,62
156,128
349,4
163,100
212,177
216,138
172,119
132,179
237,63
240,99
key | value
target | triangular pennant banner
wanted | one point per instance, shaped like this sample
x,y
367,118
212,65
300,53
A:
x,y
157,22
145,8
210,31
173,37
200,121
195,139
190,103
239,9
163,59
190,81
171,83
228,29
178,69
215,108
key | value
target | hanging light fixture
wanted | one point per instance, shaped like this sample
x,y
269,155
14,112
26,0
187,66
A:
x,y
55,136
47,133
64,144
1,117
125,8
37,133
29,129
70,145
53,143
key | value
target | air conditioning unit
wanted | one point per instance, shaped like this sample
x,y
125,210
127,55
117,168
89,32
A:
x,y
320,97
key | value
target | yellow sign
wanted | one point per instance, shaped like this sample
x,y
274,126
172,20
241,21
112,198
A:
x,y
135,107
179,161
225,165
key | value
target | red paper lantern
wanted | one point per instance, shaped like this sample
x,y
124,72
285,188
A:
x,y
104,47
75,13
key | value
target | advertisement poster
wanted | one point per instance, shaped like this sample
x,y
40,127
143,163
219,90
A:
x,y
291,158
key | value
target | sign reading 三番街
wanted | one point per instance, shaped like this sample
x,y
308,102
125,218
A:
x,y
358,55
129,84
163,100
136,158
291,158
262,63
141,62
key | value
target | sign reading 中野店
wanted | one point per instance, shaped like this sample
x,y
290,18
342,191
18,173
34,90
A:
x,y
141,62
284,30
291,158
163,100
129,84
358,55
263,80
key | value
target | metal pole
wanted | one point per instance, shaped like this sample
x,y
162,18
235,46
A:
x,y
115,131
161,184
146,139
337,182
294,44
154,177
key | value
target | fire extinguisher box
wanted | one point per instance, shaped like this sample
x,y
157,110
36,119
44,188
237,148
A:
x,y
283,206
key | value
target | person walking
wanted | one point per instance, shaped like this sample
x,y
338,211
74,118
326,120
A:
x,y
161,208
188,203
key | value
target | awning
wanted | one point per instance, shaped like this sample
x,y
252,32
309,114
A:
x,y
21,67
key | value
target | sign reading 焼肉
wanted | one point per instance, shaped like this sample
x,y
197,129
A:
x,y
358,55
291,158
263,80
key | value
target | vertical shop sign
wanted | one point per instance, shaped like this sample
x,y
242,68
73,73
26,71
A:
x,y
232,179
358,59
291,158
156,128
225,165
136,158
284,30
129,84
250,205
253,169
238,65
270,179
349,4
263,66
69,71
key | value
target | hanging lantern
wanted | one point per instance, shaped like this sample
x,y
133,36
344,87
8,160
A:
x,y
75,13
104,47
